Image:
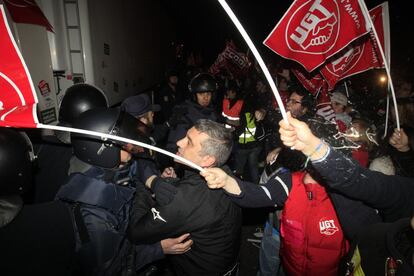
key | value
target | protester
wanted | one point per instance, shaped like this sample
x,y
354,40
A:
x,y
232,105
386,246
212,220
339,103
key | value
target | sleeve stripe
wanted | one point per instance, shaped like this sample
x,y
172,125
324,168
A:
x,y
283,185
266,191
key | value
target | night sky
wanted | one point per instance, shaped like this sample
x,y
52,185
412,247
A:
x,y
204,26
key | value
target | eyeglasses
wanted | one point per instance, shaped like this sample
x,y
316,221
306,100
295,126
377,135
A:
x,y
293,101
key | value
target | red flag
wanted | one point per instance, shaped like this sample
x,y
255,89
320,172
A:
x,y
234,62
358,58
311,31
27,11
17,95
312,82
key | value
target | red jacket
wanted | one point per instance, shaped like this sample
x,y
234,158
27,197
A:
x,y
233,112
312,238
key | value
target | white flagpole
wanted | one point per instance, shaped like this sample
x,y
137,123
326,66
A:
x,y
104,137
346,90
256,55
387,69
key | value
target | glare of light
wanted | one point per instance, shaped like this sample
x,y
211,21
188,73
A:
x,y
383,79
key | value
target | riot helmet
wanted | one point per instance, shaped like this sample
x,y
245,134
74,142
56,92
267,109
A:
x,y
15,162
202,82
78,99
99,151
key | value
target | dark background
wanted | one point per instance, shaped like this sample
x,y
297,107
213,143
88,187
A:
x,y
203,26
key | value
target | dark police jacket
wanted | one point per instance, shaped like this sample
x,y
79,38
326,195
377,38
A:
x,y
212,220
189,112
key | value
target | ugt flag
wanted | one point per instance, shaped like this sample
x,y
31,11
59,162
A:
x,y
17,95
313,82
312,31
362,55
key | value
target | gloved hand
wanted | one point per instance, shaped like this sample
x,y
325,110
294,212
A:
x,y
177,116
164,190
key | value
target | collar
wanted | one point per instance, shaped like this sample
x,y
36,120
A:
x,y
10,207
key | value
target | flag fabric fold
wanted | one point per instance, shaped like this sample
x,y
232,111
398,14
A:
x,y
17,94
27,11
312,31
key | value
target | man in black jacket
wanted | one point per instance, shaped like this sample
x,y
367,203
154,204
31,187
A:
x,y
212,220
388,245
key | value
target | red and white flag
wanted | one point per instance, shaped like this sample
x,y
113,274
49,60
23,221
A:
x,y
312,82
362,55
17,94
234,62
27,11
312,31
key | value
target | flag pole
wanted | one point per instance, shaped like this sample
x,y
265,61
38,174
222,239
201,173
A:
x,y
257,56
387,69
104,137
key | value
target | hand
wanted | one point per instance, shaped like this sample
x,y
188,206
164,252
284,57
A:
x,y
164,190
271,156
177,246
399,140
216,178
169,172
297,135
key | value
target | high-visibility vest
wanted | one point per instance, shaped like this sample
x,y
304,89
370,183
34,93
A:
x,y
232,113
249,131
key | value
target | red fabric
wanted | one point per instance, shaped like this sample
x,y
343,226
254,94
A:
x,y
17,98
234,62
27,11
362,56
312,82
233,111
361,155
310,32
312,239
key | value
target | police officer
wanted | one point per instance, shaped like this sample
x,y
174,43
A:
x,y
54,151
35,239
202,87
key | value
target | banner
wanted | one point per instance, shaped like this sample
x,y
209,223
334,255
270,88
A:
x,y
312,31
27,11
232,61
17,94
359,57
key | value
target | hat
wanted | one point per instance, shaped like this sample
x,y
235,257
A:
x,y
339,98
139,105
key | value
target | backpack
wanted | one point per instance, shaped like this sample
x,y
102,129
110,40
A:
x,y
101,211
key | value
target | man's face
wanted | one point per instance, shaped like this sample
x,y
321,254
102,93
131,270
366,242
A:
x,y
190,147
173,80
147,119
294,105
204,98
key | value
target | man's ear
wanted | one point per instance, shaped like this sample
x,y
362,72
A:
x,y
208,161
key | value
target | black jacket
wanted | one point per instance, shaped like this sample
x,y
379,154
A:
x,y
391,195
39,241
187,114
212,220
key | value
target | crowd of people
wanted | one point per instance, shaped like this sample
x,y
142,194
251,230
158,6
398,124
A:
x,y
76,204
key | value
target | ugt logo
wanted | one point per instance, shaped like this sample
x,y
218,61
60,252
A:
x,y
328,227
317,31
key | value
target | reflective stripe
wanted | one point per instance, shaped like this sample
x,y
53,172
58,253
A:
x,y
266,191
230,117
284,186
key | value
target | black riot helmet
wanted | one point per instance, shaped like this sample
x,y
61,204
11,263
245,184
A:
x,y
98,151
15,162
78,99
202,82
